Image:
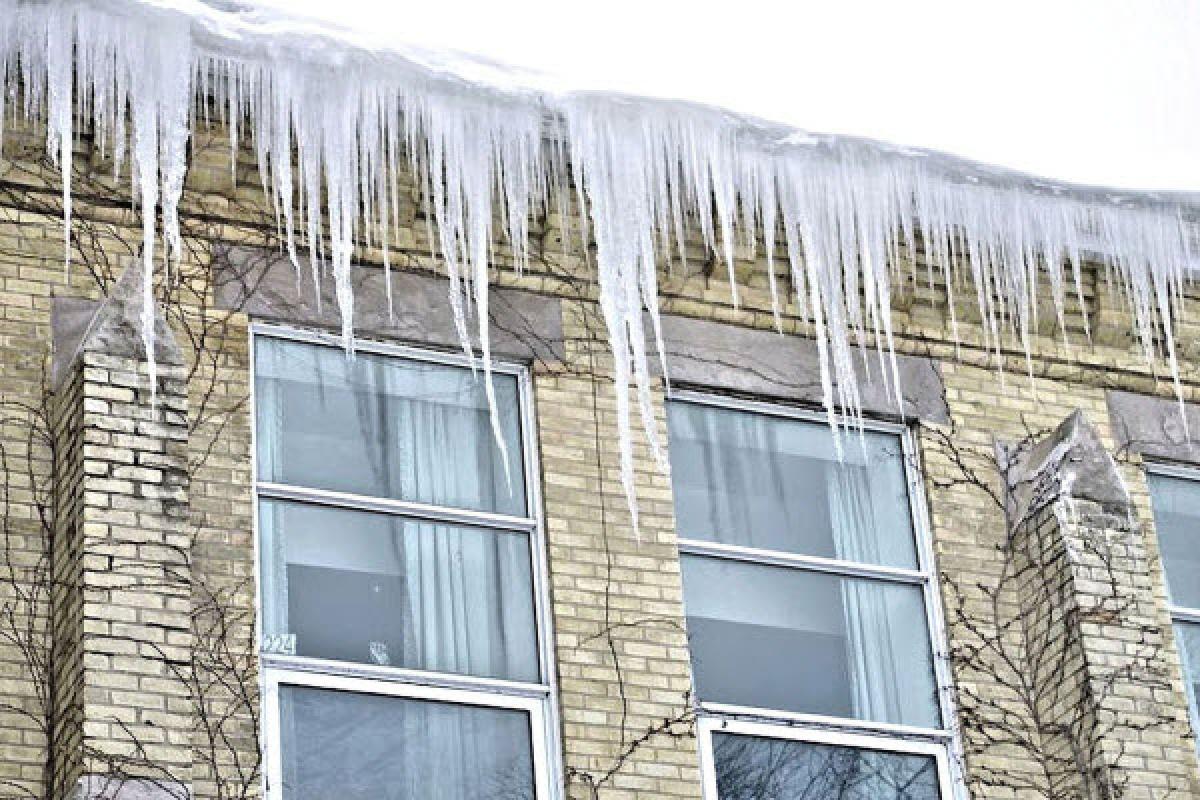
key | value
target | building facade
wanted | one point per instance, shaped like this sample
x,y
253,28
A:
x,y
266,566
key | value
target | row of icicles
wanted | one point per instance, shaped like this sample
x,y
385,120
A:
x,y
335,127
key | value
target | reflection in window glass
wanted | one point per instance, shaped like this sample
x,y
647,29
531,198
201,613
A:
x,y
1188,636
774,483
757,768
1176,504
365,747
777,638
388,590
385,427
1177,518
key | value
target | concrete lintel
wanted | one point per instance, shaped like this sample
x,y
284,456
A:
x,y
1156,427
264,284
704,353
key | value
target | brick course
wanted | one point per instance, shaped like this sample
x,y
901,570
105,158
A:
x,y
123,560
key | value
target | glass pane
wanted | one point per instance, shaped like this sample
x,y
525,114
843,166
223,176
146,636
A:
x,y
775,483
793,640
757,768
1188,636
1177,518
363,747
385,426
381,589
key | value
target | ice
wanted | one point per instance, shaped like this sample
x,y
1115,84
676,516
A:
x,y
490,147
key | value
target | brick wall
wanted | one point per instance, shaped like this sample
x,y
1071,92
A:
x,y
616,600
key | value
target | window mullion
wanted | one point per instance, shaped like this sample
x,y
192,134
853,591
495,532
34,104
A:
x,y
798,561
402,508
849,726
1181,614
348,669
466,692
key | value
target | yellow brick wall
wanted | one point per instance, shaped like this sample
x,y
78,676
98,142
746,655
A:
x,y
617,602
615,599
968,529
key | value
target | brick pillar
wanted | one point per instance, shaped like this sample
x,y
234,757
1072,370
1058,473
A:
x,y
623,669
1109,711
122,607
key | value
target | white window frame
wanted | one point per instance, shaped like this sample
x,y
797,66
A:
x,y
707,726
1184,614
772,723
538,700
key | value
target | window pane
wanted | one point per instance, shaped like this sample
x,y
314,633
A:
x,y
794,640
1188,636
363,747
376,588
1177,518
385,426
775,483
758,768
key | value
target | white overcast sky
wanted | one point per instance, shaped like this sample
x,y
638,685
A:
x,y
1092,91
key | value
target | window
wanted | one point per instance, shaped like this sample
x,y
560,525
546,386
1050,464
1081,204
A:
x,y
403,649
755,761
810,606
1175,495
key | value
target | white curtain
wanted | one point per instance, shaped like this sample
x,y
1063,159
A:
x,y
870,650
1187,634
733,474
458,622
267,432
887,638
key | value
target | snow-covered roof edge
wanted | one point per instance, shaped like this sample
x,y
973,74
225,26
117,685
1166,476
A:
x,y
476,135
244,30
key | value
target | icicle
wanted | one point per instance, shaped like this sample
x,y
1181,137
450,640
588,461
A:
x,y
8,51
60,136
647,172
